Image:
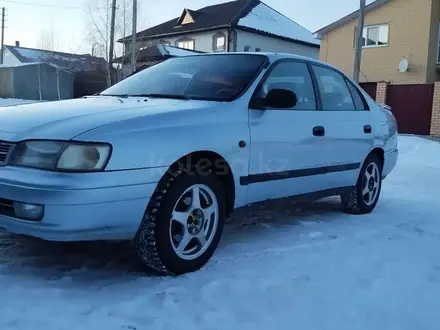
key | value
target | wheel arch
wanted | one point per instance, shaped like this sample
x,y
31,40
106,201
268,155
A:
x,y
207,160
379,152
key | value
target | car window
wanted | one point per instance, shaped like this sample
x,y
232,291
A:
x,y
358,99
205,77
293,76
333,90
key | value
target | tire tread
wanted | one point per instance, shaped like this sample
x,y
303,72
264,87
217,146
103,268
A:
x,y
146,249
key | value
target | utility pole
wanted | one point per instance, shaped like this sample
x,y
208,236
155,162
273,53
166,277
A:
x,y
133,36
112,41
124,29
360,32
3,35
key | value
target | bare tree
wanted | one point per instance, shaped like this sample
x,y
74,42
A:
x,y
49,40
98,31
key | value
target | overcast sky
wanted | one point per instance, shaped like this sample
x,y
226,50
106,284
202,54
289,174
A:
x,y
27,18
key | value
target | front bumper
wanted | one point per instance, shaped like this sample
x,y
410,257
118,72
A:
x,y
79,206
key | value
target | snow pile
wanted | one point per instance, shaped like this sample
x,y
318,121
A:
x,y
280,265
266,19
9,102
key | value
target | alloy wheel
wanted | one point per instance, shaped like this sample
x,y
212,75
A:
x,y
371,184
194,222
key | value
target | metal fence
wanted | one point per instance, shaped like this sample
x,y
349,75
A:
x,y
412,107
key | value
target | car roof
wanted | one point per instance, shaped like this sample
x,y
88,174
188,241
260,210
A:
x,y
272,56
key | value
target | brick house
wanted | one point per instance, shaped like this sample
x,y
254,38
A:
x,y
394,30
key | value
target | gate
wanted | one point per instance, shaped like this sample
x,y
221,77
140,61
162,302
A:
x,y
412,107
370,89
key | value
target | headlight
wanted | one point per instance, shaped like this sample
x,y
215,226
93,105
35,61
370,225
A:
x,y
61,156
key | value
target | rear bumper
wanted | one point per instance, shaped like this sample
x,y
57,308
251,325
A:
x,y
390,161
78,206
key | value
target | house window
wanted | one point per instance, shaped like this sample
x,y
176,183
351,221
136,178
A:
x,y
247,48
438,45
186,43
219,42
373,36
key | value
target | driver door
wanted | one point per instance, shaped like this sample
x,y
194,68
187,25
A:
x,y
286,147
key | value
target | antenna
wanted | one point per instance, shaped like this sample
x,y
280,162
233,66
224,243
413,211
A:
x,y
403,65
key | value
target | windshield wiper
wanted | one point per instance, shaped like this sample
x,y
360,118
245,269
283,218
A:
x,y
165,96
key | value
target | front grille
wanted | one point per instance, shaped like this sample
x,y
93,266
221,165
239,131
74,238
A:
x,y
5,151
7,207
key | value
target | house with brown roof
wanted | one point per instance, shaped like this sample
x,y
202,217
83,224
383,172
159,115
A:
x,y
396,31
235,26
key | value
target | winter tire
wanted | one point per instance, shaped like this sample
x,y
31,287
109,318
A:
x,y
365,195
183,223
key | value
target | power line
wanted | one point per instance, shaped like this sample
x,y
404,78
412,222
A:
x,y
40,4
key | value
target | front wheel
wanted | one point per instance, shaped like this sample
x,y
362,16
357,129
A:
x,y
365,195
183,223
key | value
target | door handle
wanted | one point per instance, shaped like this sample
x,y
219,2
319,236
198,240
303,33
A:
x,y
318,131
367,129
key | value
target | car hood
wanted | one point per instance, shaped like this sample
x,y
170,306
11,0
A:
x,y
64,120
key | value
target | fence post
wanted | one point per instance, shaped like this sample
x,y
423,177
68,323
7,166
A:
x,y
381,92
435,117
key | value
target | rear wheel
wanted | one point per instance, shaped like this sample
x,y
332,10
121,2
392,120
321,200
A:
x,y
183,223
365,195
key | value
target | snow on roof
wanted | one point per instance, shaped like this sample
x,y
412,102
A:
x,y
16,65
266,19
33,63
41,55
175,51
71,62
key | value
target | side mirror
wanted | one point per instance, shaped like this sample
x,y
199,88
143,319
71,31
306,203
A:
x,y
280,98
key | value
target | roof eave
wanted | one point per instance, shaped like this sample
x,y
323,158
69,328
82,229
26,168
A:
x,y
155,36
268,34
349,18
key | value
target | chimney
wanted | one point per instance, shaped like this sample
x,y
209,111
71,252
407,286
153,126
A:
x,y
17,43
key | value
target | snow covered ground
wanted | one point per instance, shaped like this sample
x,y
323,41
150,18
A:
x,y
9,102
280,266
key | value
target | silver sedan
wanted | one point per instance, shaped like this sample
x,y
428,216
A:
x,y
166,155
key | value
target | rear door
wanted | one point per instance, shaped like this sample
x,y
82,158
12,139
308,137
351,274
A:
x,y
348,125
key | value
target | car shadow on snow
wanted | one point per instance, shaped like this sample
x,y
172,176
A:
x,y
97,260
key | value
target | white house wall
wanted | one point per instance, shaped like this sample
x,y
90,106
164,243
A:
x,y
270,44
9,58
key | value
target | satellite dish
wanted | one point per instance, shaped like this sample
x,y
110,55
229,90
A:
x,y
403,65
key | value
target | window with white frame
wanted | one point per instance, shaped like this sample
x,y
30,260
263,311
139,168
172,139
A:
x,y
219,42
186,43
373,36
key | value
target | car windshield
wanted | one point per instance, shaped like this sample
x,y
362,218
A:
x,y
202,77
